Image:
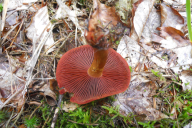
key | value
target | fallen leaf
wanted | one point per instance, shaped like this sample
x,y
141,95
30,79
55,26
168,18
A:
x,y
175,2
38,29
67,107
20,4
142,13
186,77
11,83
64,11
129,48
152,23
172,38
104,27
171,18
49,95
139,99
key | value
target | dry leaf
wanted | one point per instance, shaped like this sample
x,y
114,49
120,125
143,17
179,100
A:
x,y
69,106
175,2
21,4
150,27
38,29
171,18
64,11
49,95
139,99
141,15
186,77
128,48
172,38
11,83
104,26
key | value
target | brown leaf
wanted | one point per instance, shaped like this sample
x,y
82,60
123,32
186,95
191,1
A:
x,y
11,83
139,97
175,34
23,57
49,95
186,77
104,26
170,17
22,126
53,86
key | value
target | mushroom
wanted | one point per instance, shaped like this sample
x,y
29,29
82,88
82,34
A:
x,y
92,74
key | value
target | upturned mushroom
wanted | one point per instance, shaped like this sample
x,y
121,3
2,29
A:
x,y
92,74
95,71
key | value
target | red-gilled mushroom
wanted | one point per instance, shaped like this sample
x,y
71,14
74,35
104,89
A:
x,y
92,74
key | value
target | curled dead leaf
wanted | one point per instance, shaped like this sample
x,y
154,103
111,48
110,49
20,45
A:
x,y
49,95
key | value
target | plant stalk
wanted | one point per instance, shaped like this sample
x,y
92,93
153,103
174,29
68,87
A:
x,y
188,11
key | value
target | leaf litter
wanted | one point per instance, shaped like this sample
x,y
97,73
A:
x,y
160,33
155,47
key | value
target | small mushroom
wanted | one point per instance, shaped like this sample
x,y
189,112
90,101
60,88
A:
x,y
92,74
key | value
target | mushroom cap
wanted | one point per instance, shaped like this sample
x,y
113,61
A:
x,y
72,76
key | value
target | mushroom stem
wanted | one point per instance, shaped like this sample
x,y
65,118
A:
x,y
99,61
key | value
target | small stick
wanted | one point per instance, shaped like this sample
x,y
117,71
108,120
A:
x,y
17,33
34,111
56,111
10,67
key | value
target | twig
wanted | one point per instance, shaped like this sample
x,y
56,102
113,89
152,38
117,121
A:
x,y
9,120
35,56
4,38
17,33
56,111
4,14
18,116
34,111
177,83
62,44
10,67
61,39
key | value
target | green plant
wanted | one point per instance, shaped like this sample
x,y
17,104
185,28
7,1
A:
x,y
117,42
131,70
31,123
185,116
188,11
45,109
1,7
74,119
83,117
156,73
3,116
149,124
115,111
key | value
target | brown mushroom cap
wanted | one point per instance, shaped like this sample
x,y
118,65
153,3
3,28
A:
x,y
72,75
